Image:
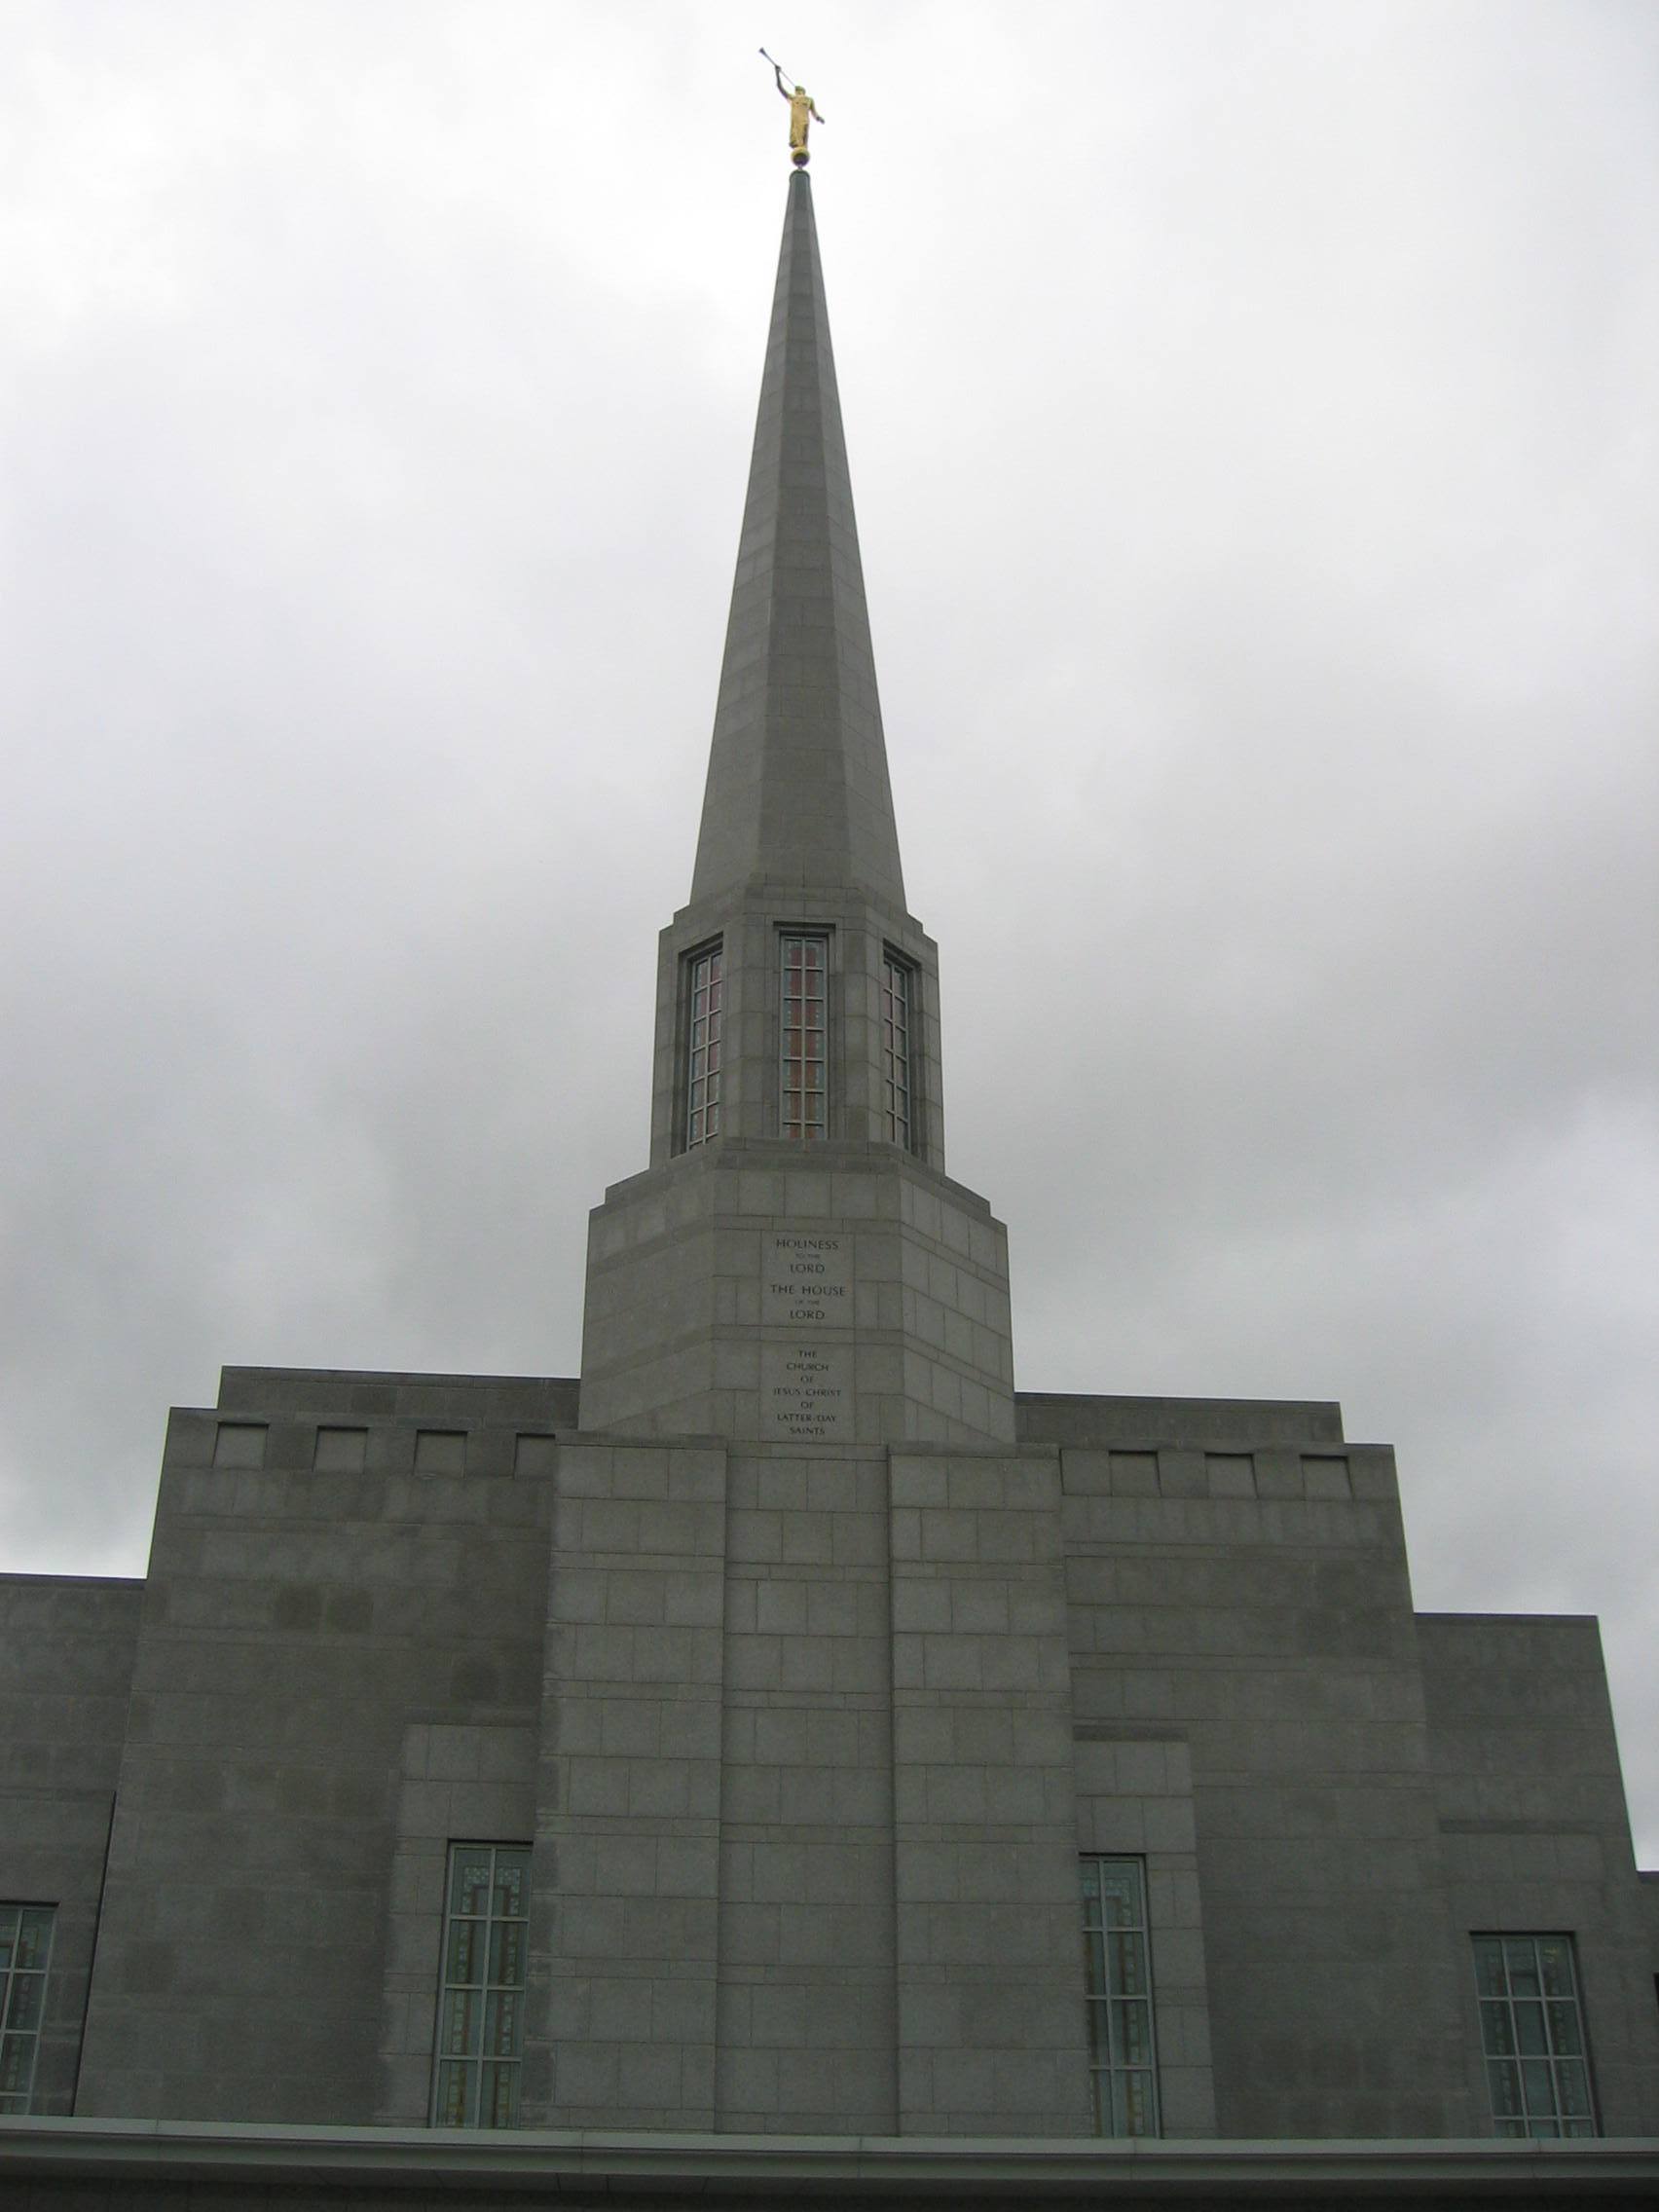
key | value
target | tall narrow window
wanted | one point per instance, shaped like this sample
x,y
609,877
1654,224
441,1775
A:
x,y
25,1954
476,2076
703,1048
804,1078
894,1107
1118,1982
1533,2036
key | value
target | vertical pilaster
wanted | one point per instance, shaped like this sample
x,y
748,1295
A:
x,y
806,2001
990,1989
624,1927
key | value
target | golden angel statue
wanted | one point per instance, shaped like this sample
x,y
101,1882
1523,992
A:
x,y
802,115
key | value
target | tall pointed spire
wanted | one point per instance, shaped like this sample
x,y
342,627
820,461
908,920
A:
x,y
798,788
794,1264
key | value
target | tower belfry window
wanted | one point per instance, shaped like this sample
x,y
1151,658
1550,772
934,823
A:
x,y
702,1047
894,1106
803,1083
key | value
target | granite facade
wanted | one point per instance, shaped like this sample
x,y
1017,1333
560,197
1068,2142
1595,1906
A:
x,y
807,1741
66,1653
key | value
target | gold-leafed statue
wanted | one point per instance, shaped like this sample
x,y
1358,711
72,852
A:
x,y
802,115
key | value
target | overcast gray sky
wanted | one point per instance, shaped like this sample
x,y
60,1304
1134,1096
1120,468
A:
x,y
1251,410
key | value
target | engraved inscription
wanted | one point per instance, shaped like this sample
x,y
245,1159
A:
x,y
806,1281
806,1391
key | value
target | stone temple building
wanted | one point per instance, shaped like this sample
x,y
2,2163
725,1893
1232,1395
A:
x,y
789,1758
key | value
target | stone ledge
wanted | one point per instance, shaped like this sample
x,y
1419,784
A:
x,y
595,2166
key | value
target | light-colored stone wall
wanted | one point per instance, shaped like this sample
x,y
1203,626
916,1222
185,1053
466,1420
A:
x,y
1534,1833
296,1622
989,1971
625,1897
1252,1603
1134,1799
683,1333
458,1784
806,2004
66,1653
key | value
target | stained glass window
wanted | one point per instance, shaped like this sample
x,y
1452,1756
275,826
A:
x,y
805,1082
26,1955
1117,1978
703,1048
1533,2036
480,2041
895,1095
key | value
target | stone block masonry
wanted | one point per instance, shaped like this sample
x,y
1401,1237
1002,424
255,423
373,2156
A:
x,y
625,1916
295,1623
990,1992
806,1738
847,1296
